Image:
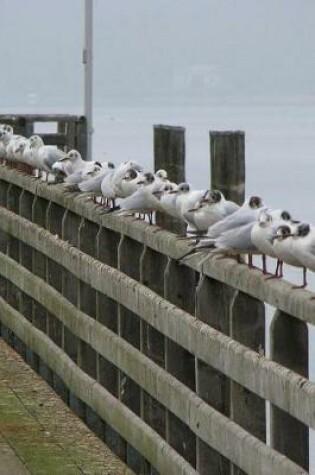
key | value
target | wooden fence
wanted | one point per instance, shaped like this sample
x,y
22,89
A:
x,y
71,130
164,360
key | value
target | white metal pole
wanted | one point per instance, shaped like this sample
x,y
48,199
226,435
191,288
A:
x,y
88,73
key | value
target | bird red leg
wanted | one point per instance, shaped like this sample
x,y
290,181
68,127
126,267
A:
x,y
250,261
264,263
304,281
278,272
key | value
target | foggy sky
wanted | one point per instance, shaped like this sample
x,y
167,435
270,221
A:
x,y
157,49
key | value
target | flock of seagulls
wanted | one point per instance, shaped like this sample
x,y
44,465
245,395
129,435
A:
x,y
218,226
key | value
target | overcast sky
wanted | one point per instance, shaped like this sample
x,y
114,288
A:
x,y
157,49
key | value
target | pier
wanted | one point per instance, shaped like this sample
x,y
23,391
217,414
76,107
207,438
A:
x,y
168,357
39,433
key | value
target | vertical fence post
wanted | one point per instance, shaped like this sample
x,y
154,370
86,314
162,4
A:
x,y
169,154
247,326
227,151
212,306
289,347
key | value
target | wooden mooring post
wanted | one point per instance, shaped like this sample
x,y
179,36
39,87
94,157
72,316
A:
x,y
170,154
227,150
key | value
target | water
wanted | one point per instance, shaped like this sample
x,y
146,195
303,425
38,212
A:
x,y
280,161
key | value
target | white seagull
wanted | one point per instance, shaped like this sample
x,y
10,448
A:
x,y
44,155
264,230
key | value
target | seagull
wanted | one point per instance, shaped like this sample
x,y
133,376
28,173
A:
x,y
21,145
236,242
129,183
143,200
264,230
7,128
121,177
5,140
69,163
187,198
168,198
283,249
303,248
92,185
162,175
111,185
86,171
247,214
210,209
44,155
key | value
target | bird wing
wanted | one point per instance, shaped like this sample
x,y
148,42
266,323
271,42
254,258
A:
x,y
50,155
138,200
238,239
74,178
93,184
239,218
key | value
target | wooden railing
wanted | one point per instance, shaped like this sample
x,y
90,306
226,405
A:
x,y
165,360
71,130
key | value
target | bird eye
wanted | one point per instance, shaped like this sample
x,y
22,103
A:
x,y
285,215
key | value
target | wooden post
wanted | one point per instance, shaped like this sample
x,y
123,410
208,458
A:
x,y
81,137
212,307
152,266
247,326
227,151
179,289
39,262
70,284
169,154
289,347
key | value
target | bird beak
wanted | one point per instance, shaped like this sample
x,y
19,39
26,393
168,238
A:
x,y
192,210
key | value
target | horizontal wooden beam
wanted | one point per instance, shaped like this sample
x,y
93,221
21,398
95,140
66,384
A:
x,y
11,118
54,139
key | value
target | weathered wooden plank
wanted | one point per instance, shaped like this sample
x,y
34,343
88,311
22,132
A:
x,y
6,118
54,139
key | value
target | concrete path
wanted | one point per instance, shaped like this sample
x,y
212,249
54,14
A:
x,y
10,463
39,434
